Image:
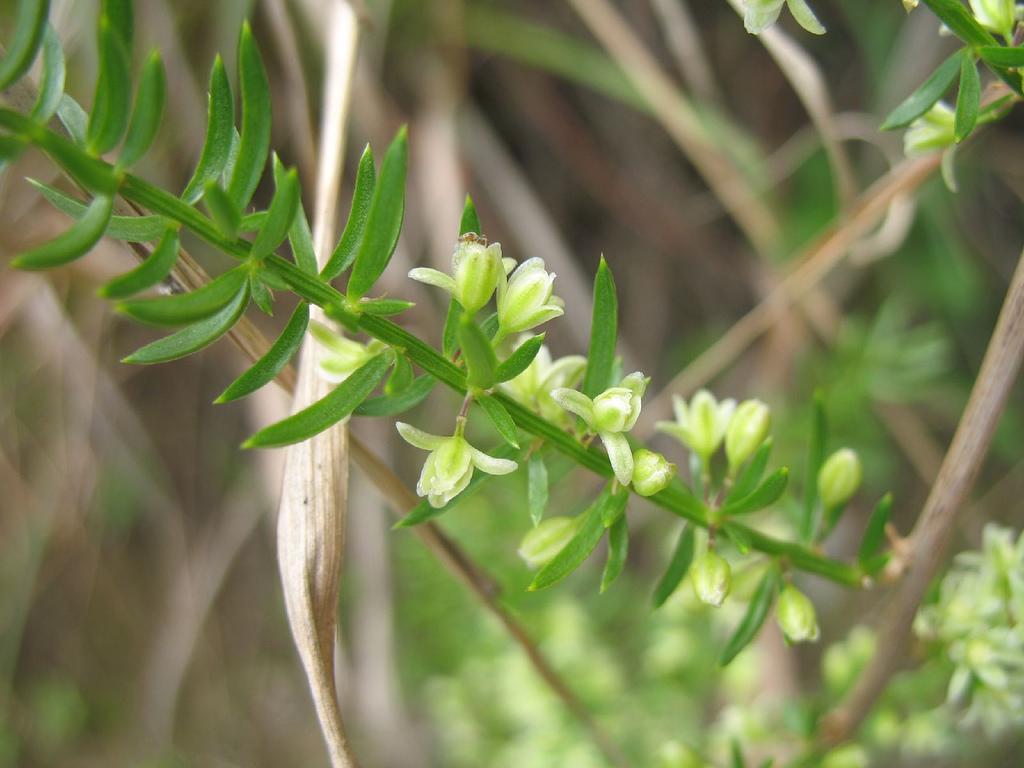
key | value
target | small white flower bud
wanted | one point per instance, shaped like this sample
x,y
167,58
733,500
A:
x,y
747,430
541,543
839,478
476,268
652,472
612,409
795,616
933,130
711,577
998,15
526,298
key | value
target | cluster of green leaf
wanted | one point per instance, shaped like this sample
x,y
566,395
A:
x,y
224,181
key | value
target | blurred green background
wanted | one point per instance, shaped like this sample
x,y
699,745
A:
x,y
141,621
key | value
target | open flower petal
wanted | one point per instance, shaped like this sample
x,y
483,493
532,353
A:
x,y
418,438
620,455
492,465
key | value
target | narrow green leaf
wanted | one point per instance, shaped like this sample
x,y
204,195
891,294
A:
x,y
423,512
736,754
752,620
470,220
400,378
385,307
815,456
254,140
682,557
766,494
520,359
1000,56
450,334
603,332
194,337
960,21
73,118
150,272
133,229
392,405
220,128
618,549
362,198
499,418
613,506
752,473
93,174
122,20
921,100
384,220
149,108
968,97
261,295
112,102
301,240
479,354
225,214
280,215
738,535
29,27
874,534
337,405
536,487
72,244
575,552
51,82
273,362
182,308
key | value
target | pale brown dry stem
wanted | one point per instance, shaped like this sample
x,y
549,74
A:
x,y
813,265
931,535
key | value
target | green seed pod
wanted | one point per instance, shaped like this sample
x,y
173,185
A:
x,y
541,543
839,478
796,617
747,430
652,472
712,578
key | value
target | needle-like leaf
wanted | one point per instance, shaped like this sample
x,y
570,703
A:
x,y
150,272
267,367
149,108
75,242
337,405
362,198
254,142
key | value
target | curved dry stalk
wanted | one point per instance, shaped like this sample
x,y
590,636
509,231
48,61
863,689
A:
x,y
826,253
680,120
931,535
314,494
810,87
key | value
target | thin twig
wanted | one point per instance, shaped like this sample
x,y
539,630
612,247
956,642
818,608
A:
x,y
805,77
931,535
813,265
681,121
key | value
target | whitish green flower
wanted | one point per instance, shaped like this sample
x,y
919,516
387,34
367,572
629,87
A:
x,y
526,298
747,429
476,270
839,478
449,467
652,472
998,15
533,386
796,616
711,577
933,130
761,14
979,622
545,540
341,356
701,424
610,414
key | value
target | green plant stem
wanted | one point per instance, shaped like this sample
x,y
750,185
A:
x,y
321,293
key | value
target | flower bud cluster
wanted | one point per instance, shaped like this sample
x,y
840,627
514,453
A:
x,y
978,621
610,415
341,356
704,424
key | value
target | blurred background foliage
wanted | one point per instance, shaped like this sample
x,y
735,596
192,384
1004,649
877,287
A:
x,y
141,621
